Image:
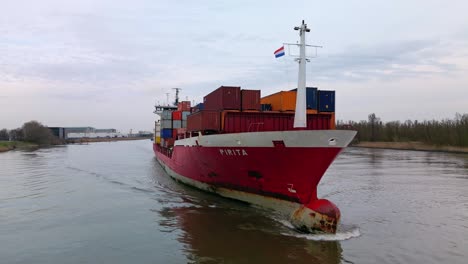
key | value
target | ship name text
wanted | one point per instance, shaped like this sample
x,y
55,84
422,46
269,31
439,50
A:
x,y
233,152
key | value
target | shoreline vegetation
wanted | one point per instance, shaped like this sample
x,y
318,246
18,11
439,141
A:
x,y
10,145
447,135
33,135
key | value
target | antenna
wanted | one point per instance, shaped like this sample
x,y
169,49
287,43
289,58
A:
x,y
177,95
167,98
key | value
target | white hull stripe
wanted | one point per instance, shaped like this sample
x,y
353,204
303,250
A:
x,y
300,138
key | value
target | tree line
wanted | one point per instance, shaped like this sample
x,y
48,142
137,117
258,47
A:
x,y
33,132
451,132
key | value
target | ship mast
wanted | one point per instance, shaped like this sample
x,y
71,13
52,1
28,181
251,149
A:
x,y
300,117
176,95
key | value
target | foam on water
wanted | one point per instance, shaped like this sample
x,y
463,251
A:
x,y
339,236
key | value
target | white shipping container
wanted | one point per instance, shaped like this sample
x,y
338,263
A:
x,y
177,124
166,115
166,123
184,115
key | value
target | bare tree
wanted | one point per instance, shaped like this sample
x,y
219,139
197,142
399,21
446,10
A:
x,y
37,133
4,134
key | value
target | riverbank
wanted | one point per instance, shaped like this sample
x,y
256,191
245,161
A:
x,y
89,140
410,146
10,145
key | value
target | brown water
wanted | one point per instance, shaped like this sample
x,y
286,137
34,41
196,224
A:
x,y
112,203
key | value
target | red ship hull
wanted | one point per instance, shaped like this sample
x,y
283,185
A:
x,y
263,171
276,175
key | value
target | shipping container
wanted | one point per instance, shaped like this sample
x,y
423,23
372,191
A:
x,y
166,115
166,123
184,123
266,107
237,122
326,101
311,97
176,123
201,106
185,114
183,106
250,100
223,98
158,139
157,126
203,121
176,115
166,133
174,133
197,108
281,101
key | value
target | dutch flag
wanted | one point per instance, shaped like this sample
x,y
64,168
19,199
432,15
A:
x,y
279,52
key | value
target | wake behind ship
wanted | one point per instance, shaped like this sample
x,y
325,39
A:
x,y
271,151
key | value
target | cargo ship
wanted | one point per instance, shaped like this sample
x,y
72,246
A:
x,y
270,151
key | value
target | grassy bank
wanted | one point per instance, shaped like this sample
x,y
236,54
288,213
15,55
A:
x,y
9,145
411,146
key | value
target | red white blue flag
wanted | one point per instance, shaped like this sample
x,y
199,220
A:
x,y
279,52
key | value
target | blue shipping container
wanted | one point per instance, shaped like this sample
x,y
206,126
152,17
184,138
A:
x,y
200,106
166,133
326,101
311,98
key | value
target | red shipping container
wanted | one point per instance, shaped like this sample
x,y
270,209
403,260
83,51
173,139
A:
x,y
223,98
176,115
183,106
250,100
203,120
174,133
237,122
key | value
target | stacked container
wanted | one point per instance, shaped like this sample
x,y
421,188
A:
x,y
157,132
250,100
223,98
166,127
326,101
281,101
203,121
185,114
183,106
198,107
176,119
238,122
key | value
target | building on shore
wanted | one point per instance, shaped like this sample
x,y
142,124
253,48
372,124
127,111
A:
x,y
85,132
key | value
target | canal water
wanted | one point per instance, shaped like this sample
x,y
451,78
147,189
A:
x,y
113,203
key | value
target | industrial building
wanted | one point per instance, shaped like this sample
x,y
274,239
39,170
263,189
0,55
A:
x,y
84,132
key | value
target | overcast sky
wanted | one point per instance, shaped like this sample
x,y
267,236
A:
x,y
105,63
